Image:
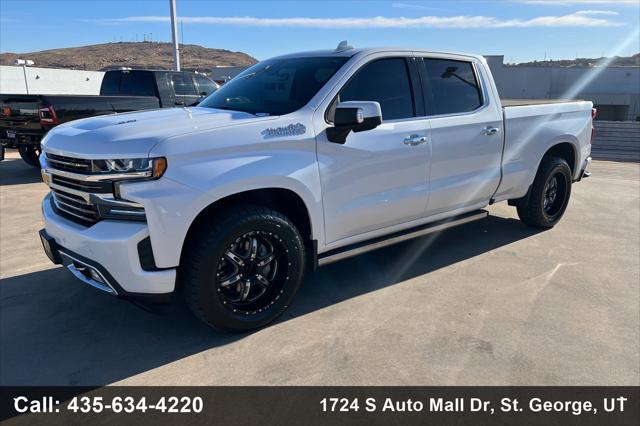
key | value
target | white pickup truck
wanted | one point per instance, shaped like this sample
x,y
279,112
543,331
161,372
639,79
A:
x,y
300,161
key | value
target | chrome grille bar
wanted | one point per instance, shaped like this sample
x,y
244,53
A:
x,y
84,197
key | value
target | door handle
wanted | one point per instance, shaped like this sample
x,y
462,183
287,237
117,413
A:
x,y
490,130
414,140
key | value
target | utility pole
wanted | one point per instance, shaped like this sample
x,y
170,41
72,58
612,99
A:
x,y
24,63
174,36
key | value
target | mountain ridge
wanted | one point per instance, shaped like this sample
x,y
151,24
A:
x,y
144,54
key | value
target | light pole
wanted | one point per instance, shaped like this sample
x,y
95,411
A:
x,y
174,36
24,63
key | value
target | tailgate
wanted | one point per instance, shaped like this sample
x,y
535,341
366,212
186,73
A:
x,y
19,113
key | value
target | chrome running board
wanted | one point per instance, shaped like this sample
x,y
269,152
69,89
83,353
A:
x,y
387,240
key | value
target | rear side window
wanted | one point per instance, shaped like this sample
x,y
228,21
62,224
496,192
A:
x,y
385,81
451,87
183,85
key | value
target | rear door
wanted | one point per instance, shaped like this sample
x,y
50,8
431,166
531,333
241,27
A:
x,y
377,178
466,134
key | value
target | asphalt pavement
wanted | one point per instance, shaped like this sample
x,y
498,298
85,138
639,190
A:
x,y
489,303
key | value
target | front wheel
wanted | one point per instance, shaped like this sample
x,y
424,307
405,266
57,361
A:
x,y
549,195
30,154
243,269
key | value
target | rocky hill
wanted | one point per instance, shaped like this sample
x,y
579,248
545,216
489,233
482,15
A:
x,y
627,61
149,55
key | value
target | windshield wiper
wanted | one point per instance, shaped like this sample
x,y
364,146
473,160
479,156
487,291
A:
x,y
256,114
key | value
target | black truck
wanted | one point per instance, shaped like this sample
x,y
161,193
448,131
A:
x,y
25,119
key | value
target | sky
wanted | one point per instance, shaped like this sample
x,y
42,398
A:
x,y
521,30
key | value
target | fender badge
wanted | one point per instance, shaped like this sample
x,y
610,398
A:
x,y
290,130
125,122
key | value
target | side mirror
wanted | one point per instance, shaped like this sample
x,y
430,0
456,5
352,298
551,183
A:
x,y
354,116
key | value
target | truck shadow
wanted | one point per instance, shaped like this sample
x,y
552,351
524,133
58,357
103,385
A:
x,y
14,171
56,331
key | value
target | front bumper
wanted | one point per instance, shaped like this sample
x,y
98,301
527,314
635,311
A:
x,y
108,248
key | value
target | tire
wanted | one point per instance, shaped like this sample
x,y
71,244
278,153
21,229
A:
x,y
30,154
224,247
543,207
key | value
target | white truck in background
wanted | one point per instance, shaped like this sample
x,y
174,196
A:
x,y
300,161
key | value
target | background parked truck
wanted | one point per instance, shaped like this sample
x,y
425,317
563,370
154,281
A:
x,y
25,119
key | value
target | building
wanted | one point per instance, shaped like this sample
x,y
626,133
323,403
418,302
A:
x,y
222,74
49,81
614,90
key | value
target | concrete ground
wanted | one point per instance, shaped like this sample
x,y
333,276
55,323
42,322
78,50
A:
x,y
489,303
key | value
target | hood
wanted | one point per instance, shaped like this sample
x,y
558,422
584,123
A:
x,y
134,134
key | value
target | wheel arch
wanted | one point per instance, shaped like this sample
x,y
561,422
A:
x,y
561,149
565,150
284,200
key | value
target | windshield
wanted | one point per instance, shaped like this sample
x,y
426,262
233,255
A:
x,y
276,86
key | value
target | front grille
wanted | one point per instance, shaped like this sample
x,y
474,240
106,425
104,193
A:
x,y
84,195
69,164
83,185
75,206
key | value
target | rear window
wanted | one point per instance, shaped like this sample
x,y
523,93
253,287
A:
x,y
110,84
128,83
137,84
451,87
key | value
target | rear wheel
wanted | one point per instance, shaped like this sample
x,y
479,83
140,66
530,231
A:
x,y
243,269
30,154
549,195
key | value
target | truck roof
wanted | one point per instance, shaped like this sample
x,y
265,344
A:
x,y
349,51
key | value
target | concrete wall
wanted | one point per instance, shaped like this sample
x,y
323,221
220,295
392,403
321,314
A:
x,y
616,140
615,89
49,81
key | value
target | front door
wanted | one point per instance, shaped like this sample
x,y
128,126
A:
x,y
184,91
377,178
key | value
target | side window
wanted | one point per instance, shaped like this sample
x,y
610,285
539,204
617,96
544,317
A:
x,y
205,85
385,81
182,85
451,87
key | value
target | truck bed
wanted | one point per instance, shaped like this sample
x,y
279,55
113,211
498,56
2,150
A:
x,y
526,102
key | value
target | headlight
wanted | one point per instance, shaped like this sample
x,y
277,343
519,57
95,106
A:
x,y
150,168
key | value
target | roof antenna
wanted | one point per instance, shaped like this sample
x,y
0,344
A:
x,y
342,46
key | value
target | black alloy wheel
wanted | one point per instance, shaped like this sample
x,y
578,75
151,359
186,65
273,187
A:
x,y
249,277
549,195
242,267
554,194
